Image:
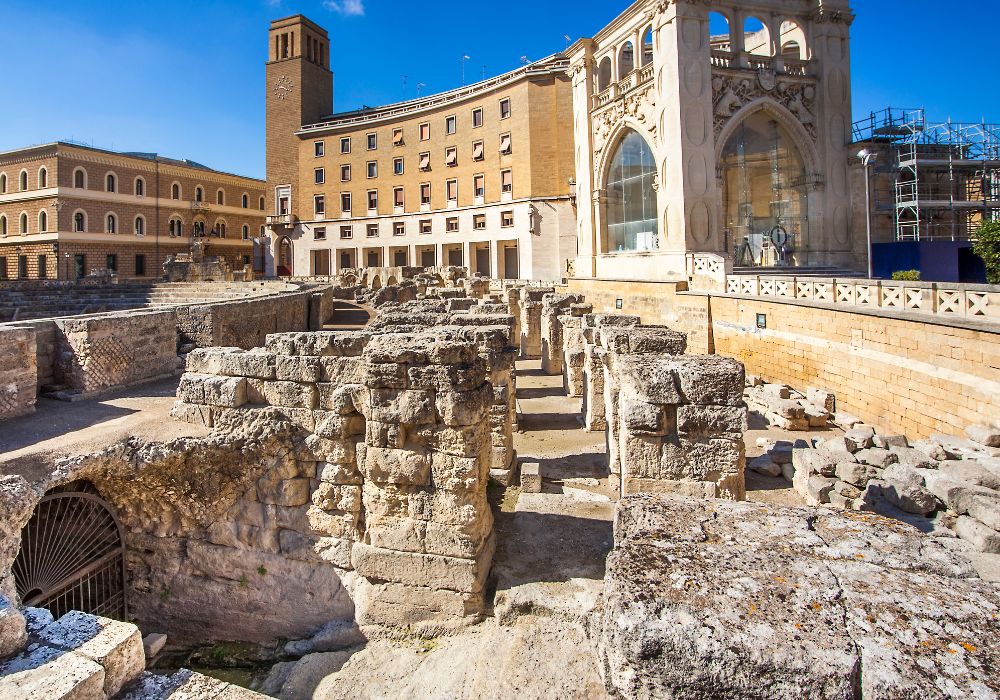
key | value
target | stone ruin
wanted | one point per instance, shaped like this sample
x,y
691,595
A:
x,y
197,267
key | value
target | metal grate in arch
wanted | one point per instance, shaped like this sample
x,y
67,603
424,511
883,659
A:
x,y
72,557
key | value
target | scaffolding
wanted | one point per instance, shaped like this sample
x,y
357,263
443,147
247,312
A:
x,y
938,180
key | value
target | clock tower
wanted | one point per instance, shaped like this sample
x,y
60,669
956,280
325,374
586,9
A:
x,y
299,91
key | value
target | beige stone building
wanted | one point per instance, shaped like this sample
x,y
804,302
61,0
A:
x,y
480,176
67,210
699,150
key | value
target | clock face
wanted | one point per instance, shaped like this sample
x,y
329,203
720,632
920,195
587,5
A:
x,y
283,87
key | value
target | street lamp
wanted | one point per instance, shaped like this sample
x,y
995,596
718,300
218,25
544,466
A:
x,y
867,159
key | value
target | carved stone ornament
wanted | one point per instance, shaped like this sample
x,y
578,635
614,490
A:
x,y
638,105
731,92
283,87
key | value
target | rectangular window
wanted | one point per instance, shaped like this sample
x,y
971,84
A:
x,y
372,169
319,233
478,151
22,267
507,181
506,219
372,200
477,118
505,108
140,265
372,230
345,202
399,228
425,161
397,137
319,149
451,157
346,232
345,173
345,144
425,226
425,193
42,267
479,185
319,176
319,205
397,166
451,125
372,141
425,131
451,225
505,145
452,187
397,197
3,267
479,222
111,262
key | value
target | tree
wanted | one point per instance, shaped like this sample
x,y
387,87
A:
x,y
987,247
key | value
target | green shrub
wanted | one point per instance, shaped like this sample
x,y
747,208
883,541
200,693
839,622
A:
x,y
987,247
906,276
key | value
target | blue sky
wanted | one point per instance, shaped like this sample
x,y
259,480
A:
x,y
185,78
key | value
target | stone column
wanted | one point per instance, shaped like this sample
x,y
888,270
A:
x,y
582,71
554,305
593,365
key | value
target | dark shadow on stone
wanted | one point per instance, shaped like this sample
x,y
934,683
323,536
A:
x,y
761,482
541,393
535,422
55,418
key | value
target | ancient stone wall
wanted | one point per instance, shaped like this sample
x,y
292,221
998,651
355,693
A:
x,y
18,371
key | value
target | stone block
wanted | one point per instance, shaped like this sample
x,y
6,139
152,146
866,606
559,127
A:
x,y
432,571
298,369
820,488
338,474
710,420
531,477
983,538
396,466
13,635
283,394
855,473
906,490
396,605
209,360
826,400
286,492
876,457
988,436
46,673
193,413
253,365
408,407
778,391
859,438
971,472
765,465
458,408
225,392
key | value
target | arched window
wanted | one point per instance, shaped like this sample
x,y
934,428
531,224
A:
x,y
3,183
80,179
261,207
793,41
140,187
175,191
719,37
23,180
220,198
112,224
176,227
756,37
626,60
24,223
219,229
246,232
140,226
3,226
43,221
764,191
604,74
631,207
199,194
43,178
647,47
79,222
246,202
198,229
111,183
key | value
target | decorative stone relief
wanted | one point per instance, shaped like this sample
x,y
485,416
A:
x,y
639,105
731,92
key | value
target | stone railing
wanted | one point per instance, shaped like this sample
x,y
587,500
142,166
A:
x,y
706,270
637,77
942,299
723,59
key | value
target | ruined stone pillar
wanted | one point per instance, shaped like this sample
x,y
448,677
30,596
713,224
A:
x,y
531,322
593,365
554,305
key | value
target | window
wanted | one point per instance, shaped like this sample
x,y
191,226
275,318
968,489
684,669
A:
x,y
372,230
451,157
175,191
399,228
478,151
319,233
261,202
373,200
506,147
22,267
425,131
220,198
345,144
425,193
220,229
345,173
479,222
24,223
199,194
479,185
452,188
345,202
111,224
43,178
140,265
111,262
245,202
425,162
397,166
397,137
80,265
319,176
631,197
506,219
3,226
111,183
43,222
398,199
372,141
79,179
319,149
176,227
79,222
198,229
507,181
43,267
477,118
425,226
23,181
505,108
451,224
346,232
3,267
3,183
140,226
140,187
246,232
451,125
372,169
319,205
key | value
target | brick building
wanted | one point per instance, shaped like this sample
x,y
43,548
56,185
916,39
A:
x,y
67,209
480,176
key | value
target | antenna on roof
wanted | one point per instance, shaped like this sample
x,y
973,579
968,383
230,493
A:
x,y
568,40
524,60
464,59
420,86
